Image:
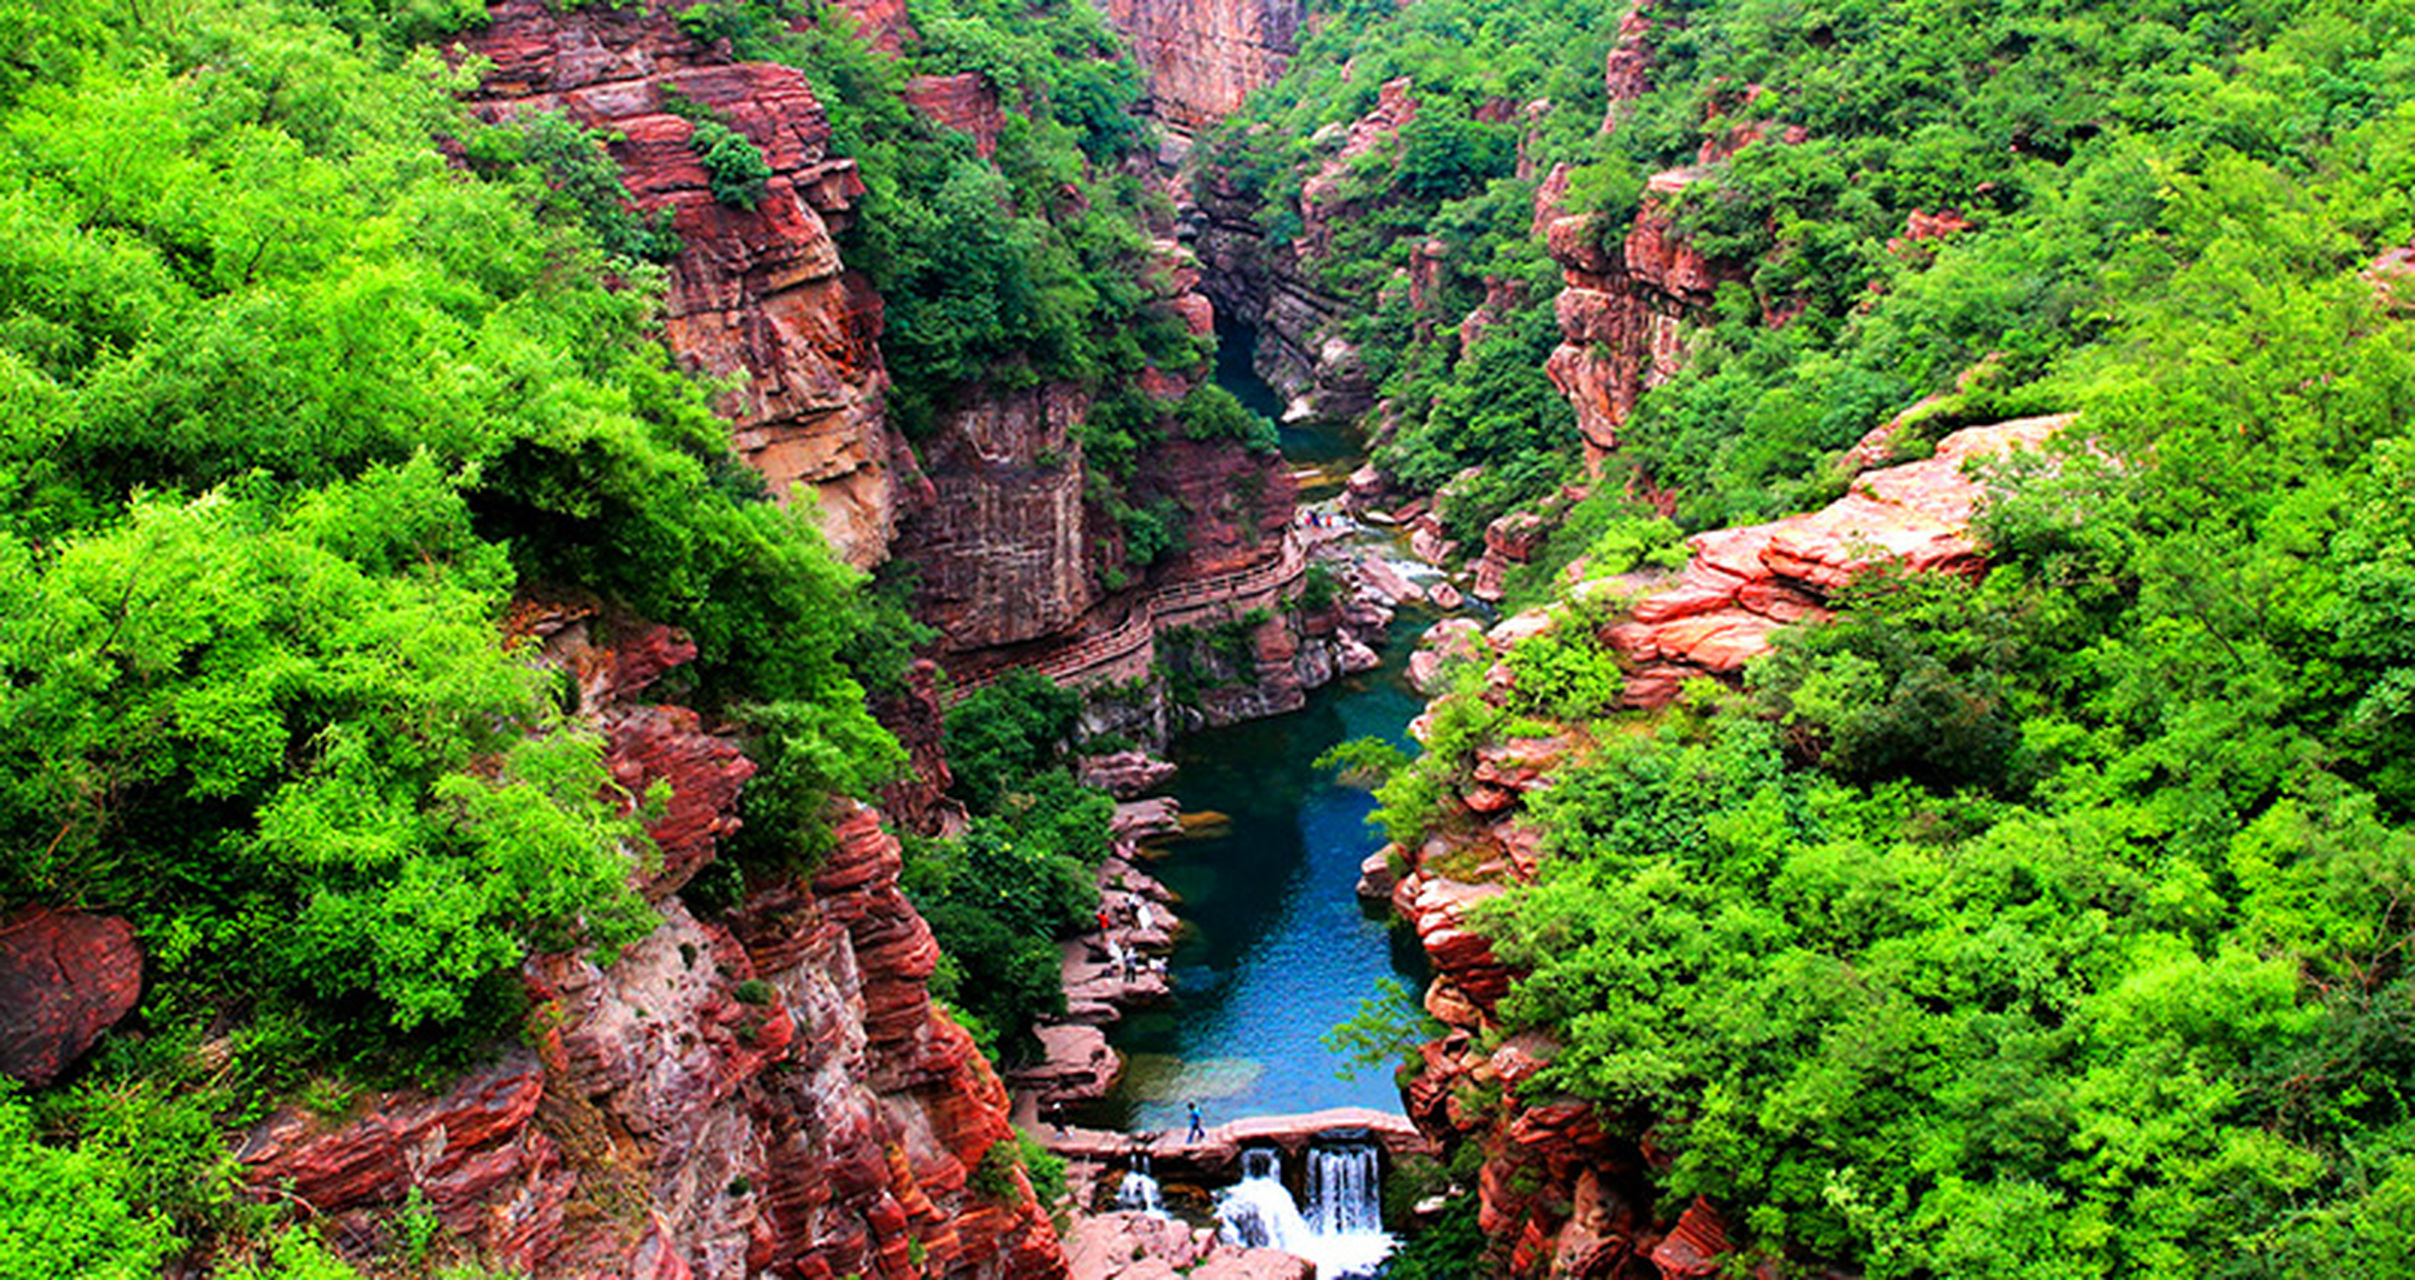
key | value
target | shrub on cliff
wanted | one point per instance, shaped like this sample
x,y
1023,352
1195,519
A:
x,y
1001,895
1209,412
1009,731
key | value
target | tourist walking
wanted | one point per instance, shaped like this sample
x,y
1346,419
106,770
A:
x,y
1197,1134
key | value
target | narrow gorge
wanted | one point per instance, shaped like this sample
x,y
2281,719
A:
x,y
1248,639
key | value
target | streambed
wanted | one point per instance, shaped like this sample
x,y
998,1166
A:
x,y
1278,948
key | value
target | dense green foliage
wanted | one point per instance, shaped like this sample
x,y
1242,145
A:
x,y
292,408
1022,876
68,1210
2050,923
2048,128
1449,180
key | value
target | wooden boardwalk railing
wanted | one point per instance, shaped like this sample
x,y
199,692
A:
x,y
1158,612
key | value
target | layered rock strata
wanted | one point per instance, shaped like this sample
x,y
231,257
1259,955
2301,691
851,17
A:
x,y
768,1093
1022,565
1744,584
1274,289
756,294
1623,310
1202,57
1017,561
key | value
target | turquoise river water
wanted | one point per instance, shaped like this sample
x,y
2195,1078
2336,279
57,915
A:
x,y
1277,948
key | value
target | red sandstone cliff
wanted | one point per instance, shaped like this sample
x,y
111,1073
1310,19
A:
x,y
1622,313
1018,560
1743,584
1202,57
757,292
770,1093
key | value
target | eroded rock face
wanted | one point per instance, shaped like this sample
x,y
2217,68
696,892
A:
x,y
1744,584
65,977
1623,311
917,714
964,102
1003,553
757,292
1202,57
1274,288
1124,774
767,1093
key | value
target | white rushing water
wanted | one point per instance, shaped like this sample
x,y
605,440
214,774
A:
x,y
1138,1192
1343,1232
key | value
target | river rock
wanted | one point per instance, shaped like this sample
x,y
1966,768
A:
x,y
1147,819
1254,1264
1118,873
1491,582
1429,544
1519,764
1445,596
1138,1246
1124,774
65,977
1375,875
1384,580
1519,628
1447,641
1517,536
1356,657
1075,1064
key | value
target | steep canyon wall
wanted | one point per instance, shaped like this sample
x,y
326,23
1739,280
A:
x,y
768,1092
1202,57
757,293
1016,558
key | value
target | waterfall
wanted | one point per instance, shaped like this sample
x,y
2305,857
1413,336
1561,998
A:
x,y
1138,1193
1343,1192
1343,1232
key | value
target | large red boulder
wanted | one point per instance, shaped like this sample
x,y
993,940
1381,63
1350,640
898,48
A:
x,y
65,977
